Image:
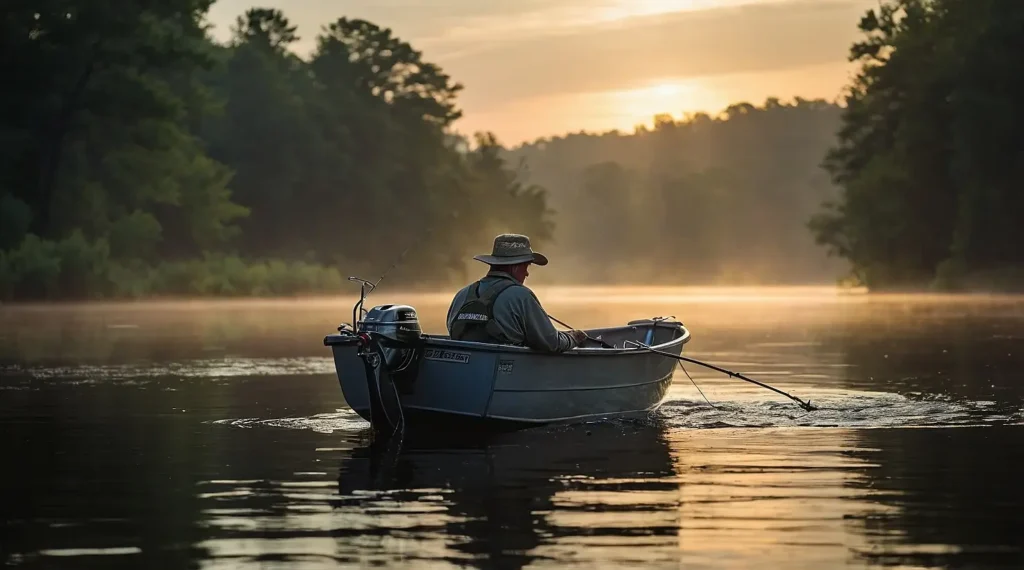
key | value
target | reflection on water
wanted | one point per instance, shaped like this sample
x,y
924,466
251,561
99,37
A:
x,y
963,508
528,497
213,435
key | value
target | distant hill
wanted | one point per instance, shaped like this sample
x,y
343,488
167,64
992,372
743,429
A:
x,y
701,200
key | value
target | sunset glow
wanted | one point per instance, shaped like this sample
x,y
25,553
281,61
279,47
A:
x,y
536,68
623,9
638,106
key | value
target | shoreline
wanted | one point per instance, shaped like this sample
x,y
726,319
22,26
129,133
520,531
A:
x,y
560,294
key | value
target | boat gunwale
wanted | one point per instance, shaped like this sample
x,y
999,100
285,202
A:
x,y
586,389
483,347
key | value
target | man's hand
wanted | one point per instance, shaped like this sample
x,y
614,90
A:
x,y
577,336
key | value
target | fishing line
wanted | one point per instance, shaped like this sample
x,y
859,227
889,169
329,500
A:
x,y
805,405
366,288
695,385
606,345
420,239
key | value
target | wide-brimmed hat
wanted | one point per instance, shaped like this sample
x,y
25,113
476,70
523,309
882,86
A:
x,y
510,249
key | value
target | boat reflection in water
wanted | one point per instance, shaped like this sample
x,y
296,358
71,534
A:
x,y
599,492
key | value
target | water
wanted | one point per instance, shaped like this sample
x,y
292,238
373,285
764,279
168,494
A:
x,y
214,435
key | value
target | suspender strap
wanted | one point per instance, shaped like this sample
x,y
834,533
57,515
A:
x,y
474,320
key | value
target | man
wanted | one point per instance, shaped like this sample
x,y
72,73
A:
x,y
500,309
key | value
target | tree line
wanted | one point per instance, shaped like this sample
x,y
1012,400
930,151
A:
x,y
914,180
929,158
140,157
701,200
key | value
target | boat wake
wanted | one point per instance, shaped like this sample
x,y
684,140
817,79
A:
x,y
863,410
337,421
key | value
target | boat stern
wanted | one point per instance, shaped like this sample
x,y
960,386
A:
x,y
351,372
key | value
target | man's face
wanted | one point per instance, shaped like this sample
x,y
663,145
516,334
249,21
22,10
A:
x,y
521,272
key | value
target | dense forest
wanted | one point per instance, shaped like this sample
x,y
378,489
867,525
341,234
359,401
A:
x,y
930,154
139,157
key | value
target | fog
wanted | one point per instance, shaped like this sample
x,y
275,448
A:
x,y
703,200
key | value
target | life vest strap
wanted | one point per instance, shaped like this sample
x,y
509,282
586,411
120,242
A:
x,y
474,321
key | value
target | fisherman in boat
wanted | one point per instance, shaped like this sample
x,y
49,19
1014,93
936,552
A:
x,y
500,309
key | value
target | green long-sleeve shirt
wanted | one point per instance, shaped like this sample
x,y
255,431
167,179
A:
x,y
519,316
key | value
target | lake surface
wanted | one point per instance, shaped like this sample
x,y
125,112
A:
x,y
214,435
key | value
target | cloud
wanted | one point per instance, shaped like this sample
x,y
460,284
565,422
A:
x,y
561,18
628,52
420,21
560,55
526,119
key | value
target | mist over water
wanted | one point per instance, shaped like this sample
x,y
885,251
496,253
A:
x,y
213,434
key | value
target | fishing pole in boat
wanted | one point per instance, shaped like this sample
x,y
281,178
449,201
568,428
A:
x,y
381,359
367,287
805,405
597,340
606,345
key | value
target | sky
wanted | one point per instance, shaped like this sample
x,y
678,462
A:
x,y
537,68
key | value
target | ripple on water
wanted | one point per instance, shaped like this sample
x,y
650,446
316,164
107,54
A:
x,y
842,409
213,368
864,410
339,420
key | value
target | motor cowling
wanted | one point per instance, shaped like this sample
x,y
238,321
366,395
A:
x,y
393,324
396,328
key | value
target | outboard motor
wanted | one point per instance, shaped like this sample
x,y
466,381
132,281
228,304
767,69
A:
x,y
390,336
397,329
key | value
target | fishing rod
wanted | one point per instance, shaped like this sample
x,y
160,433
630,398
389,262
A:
x,y
805,405
367,287
597,340
606,345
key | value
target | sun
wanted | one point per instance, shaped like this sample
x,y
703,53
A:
x,y
666,97
665,91
631,107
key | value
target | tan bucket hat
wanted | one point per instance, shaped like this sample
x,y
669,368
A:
x,y
510,249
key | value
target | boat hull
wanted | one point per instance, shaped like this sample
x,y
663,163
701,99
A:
x,y
456,384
